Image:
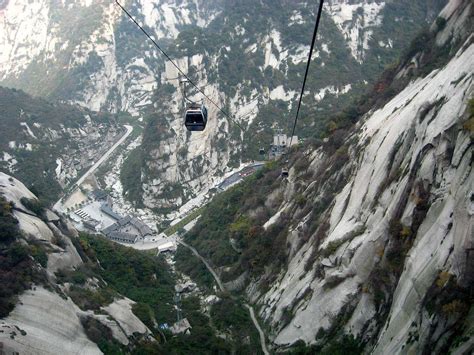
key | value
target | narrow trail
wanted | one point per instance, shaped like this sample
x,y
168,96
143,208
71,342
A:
x,y
222,288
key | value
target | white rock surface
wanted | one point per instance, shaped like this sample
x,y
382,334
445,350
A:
x,y
121,311
33,226
13,190
51,325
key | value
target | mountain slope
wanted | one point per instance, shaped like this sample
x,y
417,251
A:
x,y
367,244
68,293
48,144
257,71
249,56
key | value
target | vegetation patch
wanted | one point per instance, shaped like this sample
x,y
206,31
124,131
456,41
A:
x,y
231,317
147,280
335,244
230,216
178,226
34,205
101,335
137,275
190,265
469,124
17,261
449,302
131,177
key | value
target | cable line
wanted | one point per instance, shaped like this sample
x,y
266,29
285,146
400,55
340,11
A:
x,y
316,26
176,66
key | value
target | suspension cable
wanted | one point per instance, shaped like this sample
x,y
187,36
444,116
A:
x,y
178,68
316,26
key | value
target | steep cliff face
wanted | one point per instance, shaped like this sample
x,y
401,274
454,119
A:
x,y
249,56
369,241
395,240
81,51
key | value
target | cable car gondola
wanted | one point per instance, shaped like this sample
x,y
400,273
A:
x,y
196,118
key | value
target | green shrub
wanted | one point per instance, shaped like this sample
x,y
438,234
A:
x,y
227,315
9,230
39,254
145,312
131,177
17,269
88,299
34,205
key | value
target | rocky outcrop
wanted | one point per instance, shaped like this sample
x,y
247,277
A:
x,y
45,320
45,323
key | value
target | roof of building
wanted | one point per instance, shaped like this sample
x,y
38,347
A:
x,y
110,229
91,222
143,229
167,246
122,236
106,209
141,226
99,194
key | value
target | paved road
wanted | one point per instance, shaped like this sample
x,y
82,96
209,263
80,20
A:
x,y
107,154
147,245
211,270
222,288
260,331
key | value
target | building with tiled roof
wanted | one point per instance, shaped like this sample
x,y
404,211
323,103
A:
x,y
130,226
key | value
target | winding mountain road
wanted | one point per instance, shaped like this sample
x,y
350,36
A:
x,y
263,343
94,167
105,156
259,329
209,267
